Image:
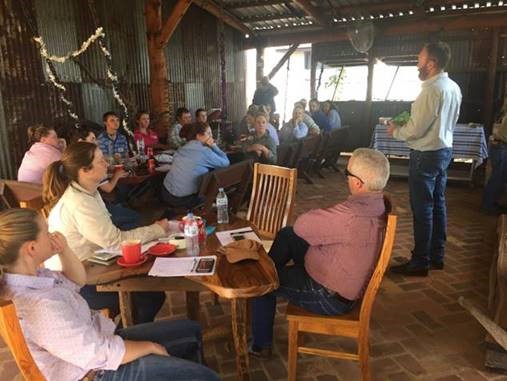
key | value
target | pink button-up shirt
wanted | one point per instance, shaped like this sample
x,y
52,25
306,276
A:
x,y
66,338
345,242
36,160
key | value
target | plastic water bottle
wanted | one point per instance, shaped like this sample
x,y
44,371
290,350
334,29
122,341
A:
x,y
191,232
222,207
140,150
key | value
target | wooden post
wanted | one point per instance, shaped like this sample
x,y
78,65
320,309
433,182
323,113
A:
x,y
158,36
369,93
313,73
490,81
284,59
259,64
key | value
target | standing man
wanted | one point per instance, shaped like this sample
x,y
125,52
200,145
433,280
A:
x,y
265,94
111,142
428,133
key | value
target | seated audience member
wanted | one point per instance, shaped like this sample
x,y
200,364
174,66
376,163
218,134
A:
x,y
65,338
78,211
295,128
318,116
123,218
201,115
112,143
45,148
334,250
332,115
246,126
144,132
313,128
183,117
271,130
197,157
261,146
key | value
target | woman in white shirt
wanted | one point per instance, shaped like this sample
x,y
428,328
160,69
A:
x,y
78,212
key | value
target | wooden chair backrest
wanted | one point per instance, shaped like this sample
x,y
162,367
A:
x,y
20,194
272,199
11,332
378,275
234,179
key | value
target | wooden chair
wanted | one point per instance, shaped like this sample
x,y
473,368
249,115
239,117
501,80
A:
x,y
272,200
234,179
11,332
20,194
306,156
355,324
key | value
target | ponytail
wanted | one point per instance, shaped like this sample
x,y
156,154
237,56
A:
x,y
54,183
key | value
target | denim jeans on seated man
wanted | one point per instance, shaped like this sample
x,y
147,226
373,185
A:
x,y
122,217
427,181
495,187
145,304
296,286
183,342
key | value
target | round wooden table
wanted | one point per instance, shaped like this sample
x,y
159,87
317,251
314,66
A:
x,y
237,282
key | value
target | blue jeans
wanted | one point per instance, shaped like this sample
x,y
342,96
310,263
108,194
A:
x,y
123,218
146,304
427,180
295,285
183,342
495,186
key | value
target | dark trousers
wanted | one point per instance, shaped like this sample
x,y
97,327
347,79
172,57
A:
x,y
122,217
296,286
146,304
494,188
187,202
427,181
183,342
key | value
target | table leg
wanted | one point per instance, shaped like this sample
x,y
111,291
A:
x,y
125,299
193,307
239,333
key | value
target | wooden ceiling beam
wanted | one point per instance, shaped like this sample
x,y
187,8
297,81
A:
x,y
409,26
228,18
250,4
312,11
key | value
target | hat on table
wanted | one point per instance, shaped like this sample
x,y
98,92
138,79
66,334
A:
x,y
240,250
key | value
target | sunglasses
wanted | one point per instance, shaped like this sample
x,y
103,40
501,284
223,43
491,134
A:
x,y
348,174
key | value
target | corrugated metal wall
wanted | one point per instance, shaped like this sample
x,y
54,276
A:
x,y
27,98
468,67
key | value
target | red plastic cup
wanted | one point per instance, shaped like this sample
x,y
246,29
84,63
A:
x,y
118,167
131,251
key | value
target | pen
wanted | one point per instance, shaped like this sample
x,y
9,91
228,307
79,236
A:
x,y
242,232
194,265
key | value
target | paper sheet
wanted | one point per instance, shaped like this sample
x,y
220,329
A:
x,y
229,236
181,266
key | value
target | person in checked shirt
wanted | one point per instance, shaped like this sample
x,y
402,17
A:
x,y
66,339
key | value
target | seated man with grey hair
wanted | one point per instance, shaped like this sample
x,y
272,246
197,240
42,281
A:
x,y
334,250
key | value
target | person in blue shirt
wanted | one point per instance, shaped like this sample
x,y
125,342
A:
x,y
332,115
190,163
318,116
112,143
295,128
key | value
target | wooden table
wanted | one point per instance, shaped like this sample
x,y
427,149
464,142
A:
x,y
237,282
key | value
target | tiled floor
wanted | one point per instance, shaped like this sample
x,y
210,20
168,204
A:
x,y
418,330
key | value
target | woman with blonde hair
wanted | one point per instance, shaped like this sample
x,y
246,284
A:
x,y
66,339
78,211
45,148
295,128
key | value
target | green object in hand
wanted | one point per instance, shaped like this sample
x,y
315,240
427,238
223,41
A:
x,y
402,119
